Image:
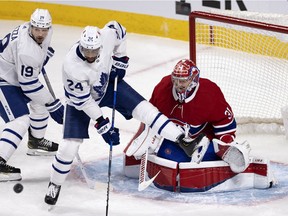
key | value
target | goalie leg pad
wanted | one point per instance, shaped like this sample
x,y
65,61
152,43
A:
x,y
235,154
209,175
217,176
263,175
204,176
146,140
167,178
131,166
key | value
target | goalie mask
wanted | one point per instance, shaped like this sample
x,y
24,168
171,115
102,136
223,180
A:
x,y
90,43
185,78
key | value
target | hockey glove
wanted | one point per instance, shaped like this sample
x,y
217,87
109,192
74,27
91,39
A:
x,y
50,53
119,67
188,144
109,135
56,110
235,154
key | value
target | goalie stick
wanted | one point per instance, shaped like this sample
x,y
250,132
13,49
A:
x,y
197,156
143,184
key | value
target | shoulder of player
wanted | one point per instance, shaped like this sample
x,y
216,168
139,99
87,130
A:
x,y
166,80
107,33
165,83
207,83
30,54
74,67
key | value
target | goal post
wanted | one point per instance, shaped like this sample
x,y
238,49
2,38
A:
x,y
247,57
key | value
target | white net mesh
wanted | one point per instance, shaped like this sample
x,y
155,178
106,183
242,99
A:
x,y
249,64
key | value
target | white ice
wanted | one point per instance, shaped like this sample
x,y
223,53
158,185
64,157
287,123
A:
x,y
150,59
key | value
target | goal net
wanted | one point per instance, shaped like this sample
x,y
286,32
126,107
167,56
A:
x,y
246,54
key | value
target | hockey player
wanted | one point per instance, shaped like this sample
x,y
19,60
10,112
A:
x,y
23,53
89,72
199,103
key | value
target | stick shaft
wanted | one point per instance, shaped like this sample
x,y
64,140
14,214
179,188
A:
x,y
111,145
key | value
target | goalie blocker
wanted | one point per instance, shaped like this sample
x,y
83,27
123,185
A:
x,y
210,176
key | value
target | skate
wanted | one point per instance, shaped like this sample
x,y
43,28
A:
x,y
52,194
9,173
41,147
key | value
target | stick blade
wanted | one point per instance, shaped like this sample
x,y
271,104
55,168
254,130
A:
x,y
143,185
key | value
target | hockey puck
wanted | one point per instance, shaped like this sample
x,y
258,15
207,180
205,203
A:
x,y
18,188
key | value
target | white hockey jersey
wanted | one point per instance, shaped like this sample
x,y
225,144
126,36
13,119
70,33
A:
x,y
86,83
21,61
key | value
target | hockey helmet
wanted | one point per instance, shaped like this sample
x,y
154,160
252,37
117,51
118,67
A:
x,y
41,18
90,43
90,38
185,77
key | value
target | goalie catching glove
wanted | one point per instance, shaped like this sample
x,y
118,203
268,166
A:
x,y
109,134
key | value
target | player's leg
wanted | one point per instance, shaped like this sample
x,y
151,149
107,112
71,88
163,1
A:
x,y
14,112
131,104
37,144
75,130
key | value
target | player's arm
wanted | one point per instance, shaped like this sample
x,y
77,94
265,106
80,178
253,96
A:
x,y
116,37
79,96
235,154
28,75
119,35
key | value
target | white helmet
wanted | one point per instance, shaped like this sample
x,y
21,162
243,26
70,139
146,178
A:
x,y
90,38
41,18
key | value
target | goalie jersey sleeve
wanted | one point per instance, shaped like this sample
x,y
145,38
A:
x,y
21,61
206,110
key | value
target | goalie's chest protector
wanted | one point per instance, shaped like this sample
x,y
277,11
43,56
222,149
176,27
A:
x,y
208,105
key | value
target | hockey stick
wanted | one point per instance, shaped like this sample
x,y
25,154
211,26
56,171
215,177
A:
x,y
111,145
89,182
143,184
49,86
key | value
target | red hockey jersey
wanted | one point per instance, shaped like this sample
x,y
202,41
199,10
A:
x,y
206,110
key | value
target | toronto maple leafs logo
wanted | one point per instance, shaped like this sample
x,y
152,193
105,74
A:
x,y
100,89
90,39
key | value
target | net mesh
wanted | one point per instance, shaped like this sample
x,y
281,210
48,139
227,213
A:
x,y
249,64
